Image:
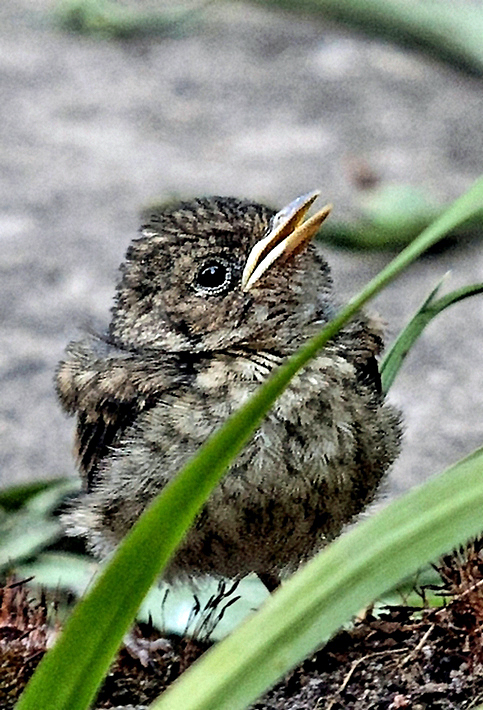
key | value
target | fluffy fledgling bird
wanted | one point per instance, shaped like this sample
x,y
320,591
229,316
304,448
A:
x,y
213,295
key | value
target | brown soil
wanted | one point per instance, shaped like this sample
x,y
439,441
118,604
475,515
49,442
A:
x,y
404,658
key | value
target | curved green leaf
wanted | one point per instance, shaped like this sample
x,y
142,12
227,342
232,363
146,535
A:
x,y
451,31
395,357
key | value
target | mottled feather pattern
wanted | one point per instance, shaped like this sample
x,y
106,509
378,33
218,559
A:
x,y
179,357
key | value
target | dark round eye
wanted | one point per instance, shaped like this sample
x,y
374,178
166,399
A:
x,y
213,276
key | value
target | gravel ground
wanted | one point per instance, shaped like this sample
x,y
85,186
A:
x,y
249,102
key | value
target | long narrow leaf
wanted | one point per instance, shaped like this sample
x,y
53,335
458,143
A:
x,y
395,357
14,497
451,31
67,679
353,571
23,535
107,19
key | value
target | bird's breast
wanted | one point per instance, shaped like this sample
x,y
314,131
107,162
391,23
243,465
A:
x,y
307,425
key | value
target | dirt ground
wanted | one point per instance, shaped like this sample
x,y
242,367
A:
x,y
249,102
404,658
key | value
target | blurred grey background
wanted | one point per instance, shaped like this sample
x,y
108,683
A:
x,y
249,101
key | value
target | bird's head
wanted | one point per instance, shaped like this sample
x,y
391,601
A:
x,y
221,272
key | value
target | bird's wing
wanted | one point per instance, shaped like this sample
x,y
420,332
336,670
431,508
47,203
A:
x,y
107,389
98,432
362,342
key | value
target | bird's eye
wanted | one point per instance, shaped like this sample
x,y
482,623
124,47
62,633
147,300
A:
x,y
213,277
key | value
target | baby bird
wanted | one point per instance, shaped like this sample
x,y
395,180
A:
x,y
214,294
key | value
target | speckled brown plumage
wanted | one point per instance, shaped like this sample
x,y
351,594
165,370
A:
x,y
187,345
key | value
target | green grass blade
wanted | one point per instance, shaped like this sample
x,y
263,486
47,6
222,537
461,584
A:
x,y
451,31
23,536
107,19
350,573
26,521
14,497
391,216
67,679
395,357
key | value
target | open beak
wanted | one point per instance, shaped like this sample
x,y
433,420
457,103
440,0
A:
x,y
288,235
